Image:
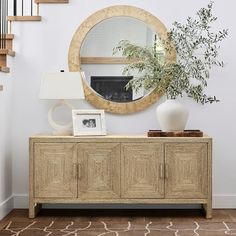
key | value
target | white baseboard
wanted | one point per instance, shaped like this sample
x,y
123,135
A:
x,y
6,207
220,201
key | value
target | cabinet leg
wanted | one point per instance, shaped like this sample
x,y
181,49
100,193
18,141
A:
x,y
208,210
34,209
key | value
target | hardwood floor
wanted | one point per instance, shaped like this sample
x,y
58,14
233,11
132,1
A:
x,y
121,215
222,223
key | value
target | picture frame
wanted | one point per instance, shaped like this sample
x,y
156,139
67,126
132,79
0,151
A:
x,y
88,122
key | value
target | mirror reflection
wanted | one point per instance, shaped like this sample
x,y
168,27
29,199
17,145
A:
x,y
103,70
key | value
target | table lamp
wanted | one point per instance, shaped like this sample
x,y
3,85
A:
x,y
62,86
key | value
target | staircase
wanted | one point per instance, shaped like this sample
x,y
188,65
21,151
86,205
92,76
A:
x,y
11,11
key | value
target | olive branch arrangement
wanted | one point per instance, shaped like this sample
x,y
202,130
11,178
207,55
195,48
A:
x,y
197,48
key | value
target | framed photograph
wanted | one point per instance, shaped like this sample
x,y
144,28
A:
x,y
88,122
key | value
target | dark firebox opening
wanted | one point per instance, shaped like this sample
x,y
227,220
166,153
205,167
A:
x,y
112,87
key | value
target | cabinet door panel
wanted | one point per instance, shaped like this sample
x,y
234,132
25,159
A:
x,y
186,166
99,176
141,166
53,170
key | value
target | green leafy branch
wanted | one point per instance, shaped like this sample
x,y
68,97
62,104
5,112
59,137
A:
x,y
197,48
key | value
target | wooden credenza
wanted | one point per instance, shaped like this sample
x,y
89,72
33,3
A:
x,y
120,169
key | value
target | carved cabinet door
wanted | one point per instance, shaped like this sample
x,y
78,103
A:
x,y
55,170
99,170
142,170
186,170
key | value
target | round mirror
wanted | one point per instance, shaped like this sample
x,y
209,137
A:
x,y
91,51
103,70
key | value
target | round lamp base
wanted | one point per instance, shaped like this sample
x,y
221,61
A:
x,y
58,128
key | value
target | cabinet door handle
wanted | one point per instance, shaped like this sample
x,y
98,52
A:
x,y
79,171
161,171
166,171
75,170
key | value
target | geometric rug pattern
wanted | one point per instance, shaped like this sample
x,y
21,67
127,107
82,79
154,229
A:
x,y
109,228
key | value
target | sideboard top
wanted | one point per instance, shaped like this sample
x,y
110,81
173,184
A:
x,y
116,138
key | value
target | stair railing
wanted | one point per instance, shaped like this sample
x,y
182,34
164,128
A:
x,y
22,8
14,8
3,23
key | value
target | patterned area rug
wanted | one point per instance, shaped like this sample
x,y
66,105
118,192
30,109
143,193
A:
x,y
100,228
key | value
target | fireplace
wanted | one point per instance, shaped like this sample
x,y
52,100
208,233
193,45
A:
x,y
112,87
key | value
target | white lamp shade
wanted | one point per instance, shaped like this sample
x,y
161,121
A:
x,y
62,85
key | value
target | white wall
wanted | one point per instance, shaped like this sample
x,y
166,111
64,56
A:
x,y
43,46
6,199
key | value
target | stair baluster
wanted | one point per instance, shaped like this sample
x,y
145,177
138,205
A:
x,y
3,23
15,8
31,8
0,24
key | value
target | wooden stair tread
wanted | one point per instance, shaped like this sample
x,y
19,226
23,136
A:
x,y
4,69
24,18
8,52
9,36
51,1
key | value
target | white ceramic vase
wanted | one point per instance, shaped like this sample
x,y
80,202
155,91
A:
x,y
172,115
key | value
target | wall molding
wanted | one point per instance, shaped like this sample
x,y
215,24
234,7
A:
x,y
6,206
224,201
220,201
